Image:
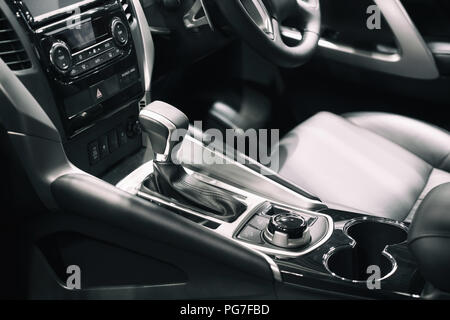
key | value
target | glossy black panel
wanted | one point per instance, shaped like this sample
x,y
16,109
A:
x,y
310,270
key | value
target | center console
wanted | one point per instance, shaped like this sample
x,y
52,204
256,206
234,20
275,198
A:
x,y
88,53
307,244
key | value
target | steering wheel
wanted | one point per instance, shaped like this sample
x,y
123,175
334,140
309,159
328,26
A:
x,y
259,23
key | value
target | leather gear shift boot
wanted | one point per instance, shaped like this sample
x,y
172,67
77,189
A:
x,y
172,181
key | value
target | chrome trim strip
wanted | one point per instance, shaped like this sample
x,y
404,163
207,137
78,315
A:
x,y
17,134
292,273
414,59
352,244
88,48
141,31
273,266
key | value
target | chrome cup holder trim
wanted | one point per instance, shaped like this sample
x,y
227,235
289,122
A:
x,y
353,242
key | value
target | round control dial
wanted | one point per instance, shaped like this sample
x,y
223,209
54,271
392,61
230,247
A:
x,y
287,230
119,31
60,56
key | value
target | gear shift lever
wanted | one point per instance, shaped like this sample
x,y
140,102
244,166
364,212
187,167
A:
x,y
161,121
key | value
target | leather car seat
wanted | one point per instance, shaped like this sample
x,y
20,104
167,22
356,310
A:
x,y
374,163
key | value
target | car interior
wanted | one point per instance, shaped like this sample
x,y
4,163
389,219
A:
x,y
109,109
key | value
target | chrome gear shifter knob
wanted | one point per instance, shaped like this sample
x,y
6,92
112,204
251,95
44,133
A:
x,y
160,121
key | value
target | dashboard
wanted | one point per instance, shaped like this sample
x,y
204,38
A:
x,y
87,52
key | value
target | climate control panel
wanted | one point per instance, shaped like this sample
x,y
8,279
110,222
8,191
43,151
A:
x,y
71,58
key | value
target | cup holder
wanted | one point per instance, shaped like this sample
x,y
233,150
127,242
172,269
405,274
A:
x,y
370,239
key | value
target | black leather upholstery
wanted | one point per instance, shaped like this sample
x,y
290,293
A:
x,y
429,237
375,163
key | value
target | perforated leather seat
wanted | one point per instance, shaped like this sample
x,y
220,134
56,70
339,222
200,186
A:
x,y
375,163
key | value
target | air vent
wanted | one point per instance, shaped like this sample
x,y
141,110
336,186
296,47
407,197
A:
x,y
127,9
12,51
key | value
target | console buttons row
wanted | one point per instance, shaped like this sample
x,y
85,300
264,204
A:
x,y
78,69
87,54
106,144
95,62
251,234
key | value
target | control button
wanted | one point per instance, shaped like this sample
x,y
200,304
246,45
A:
x,y
250,234
290,224
287,230
103,146
119,31
113,141
60,56
105,89
79,57
259,222
111,54
94,152
123,139
78,69
107,45
98,93
95,62
95,51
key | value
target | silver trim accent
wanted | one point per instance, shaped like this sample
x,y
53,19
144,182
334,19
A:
x,y
58,44
160,30
153,116
190,18
352,244
291,33
413,60
144,45
258,13
292,273
273,266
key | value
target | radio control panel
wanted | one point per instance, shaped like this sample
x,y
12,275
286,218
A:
x,y
90,62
